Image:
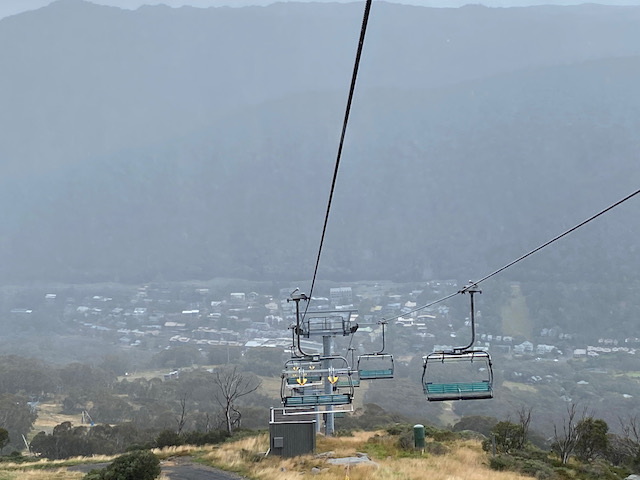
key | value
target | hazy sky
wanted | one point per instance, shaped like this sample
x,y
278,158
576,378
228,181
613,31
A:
x,y
12,7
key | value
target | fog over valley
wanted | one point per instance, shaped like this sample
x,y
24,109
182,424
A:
x,y
165,174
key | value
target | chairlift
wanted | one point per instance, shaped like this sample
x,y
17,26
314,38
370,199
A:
x,y
457,376
374,366
354,377
329,389
320,323
302,372
463,373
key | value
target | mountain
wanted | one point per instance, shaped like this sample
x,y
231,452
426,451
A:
x,y
13,7
185,143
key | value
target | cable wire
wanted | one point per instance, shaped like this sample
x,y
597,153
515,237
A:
x,y
354,76
554,239
510,264
431,304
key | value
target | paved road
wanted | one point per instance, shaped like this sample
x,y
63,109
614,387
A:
x,y
185,469
181,468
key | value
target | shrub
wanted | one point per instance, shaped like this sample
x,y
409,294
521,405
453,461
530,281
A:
x,y
502,462
536,468
140,465
406,441
476,423
444,436
168,438
380,446
398,429
563,473
530,461
95,474
509,437
436,448
15,457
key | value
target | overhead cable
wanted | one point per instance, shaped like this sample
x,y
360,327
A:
x,y
354,76
554,239
510,264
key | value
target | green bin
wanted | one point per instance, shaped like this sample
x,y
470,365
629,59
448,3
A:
x,y
418,436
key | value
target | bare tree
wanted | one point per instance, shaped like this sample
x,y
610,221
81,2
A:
x,y
182,418
631,428
232,385
565,442
524,420
626,446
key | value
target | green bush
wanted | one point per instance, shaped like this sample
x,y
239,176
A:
x,y
598,470
406,441
140,465
15,457
476,423
398,429
380,446
502,463
563,473
436,448
444,436
529,461
95,474
536,468
168,438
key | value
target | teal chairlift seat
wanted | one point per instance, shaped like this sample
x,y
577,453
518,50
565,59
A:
x,y
320,387
457,376
377,365
463,373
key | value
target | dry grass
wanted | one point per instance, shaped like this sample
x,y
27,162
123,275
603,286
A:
x,y
270,386
519,386
347,446
447,415
42,463
465,461
34,471
59,474
49,416
235,456
179,451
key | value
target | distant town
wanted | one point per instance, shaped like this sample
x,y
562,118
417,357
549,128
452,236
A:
x,y
155,317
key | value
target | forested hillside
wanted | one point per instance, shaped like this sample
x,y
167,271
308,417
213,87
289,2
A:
x,y
171,144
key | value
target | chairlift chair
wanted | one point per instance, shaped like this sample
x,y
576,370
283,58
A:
x,y
374,366
463,373
328,391
454,375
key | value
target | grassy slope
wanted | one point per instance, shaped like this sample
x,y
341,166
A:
x,y
464,459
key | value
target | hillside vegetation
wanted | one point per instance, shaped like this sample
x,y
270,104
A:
x,y
454,459
374,455
194,143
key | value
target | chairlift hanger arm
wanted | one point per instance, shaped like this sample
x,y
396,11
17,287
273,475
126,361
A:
x,y
383,323
297,296
471,289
